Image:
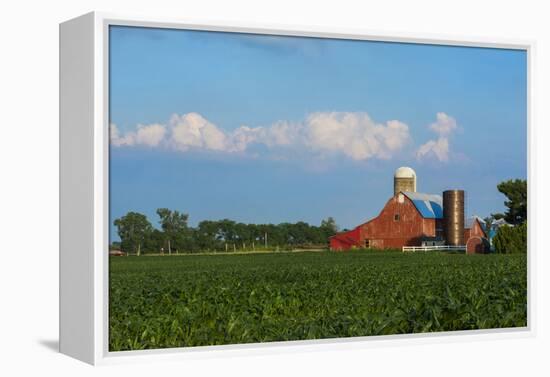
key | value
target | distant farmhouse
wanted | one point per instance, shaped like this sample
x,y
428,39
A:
x,y
411,218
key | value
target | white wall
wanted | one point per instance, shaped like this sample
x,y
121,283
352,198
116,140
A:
x,y
29,188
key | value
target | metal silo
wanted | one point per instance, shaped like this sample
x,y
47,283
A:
x,y
453,217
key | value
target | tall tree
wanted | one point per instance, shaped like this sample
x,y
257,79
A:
x,y
329,225
207,235
511,239
515,191
133,229
227,230
174,225
154,242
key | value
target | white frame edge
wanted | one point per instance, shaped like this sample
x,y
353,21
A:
x,y
84,215
76,178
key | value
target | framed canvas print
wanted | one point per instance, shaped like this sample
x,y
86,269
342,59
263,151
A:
x,y
228,187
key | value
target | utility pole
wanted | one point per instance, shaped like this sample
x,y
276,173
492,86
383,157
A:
x,y
265,238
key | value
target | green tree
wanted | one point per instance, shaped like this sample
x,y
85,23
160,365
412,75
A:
x,y
206,236
328,228
511,239
174,226
330,225
243,233
299,233
227,231
115,245
516,194
154,242
133,229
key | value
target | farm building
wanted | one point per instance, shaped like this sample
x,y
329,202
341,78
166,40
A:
x,y
117,253
410,218
475,236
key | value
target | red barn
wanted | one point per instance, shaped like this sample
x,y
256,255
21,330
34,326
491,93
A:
x,y
410,218
475,236
406,220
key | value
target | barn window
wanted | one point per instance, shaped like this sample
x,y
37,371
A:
x,y
396,217
367,244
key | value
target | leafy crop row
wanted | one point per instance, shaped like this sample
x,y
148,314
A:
x,y
158,302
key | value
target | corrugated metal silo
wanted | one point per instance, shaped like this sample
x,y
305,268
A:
x,y
453,217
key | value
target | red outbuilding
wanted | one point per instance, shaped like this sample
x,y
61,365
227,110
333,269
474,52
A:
x,y
476,238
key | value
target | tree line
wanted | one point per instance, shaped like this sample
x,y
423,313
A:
x,y
138,235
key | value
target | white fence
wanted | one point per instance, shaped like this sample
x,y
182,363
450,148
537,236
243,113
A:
x,y
432,248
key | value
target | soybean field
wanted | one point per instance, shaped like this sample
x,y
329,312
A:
x,y
198,300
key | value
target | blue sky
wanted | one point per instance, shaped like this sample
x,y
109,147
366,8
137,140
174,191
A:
x,y
269,129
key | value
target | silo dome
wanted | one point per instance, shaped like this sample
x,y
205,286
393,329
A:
x,y
404,172
404,180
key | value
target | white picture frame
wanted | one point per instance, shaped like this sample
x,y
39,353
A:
x,y
84,193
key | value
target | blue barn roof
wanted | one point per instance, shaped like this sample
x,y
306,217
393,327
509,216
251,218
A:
x,y
430,206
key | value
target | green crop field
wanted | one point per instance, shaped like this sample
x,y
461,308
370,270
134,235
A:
x,y
196,300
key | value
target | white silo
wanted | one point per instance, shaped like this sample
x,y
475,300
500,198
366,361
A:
x,y
404,179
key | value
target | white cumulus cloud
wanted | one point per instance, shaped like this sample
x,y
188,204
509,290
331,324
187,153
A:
x,y
193,131
279,134
444,126
351,134
151,135
355,135
119,140
439,148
